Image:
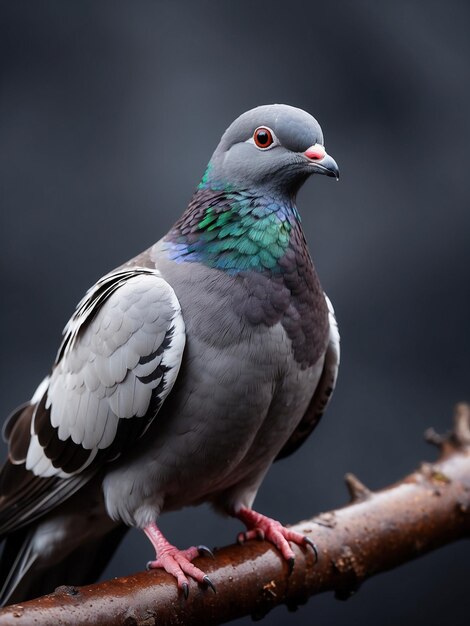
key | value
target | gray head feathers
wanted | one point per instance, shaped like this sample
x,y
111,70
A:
x,y
279,162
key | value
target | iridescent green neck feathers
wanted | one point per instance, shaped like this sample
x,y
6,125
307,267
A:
x,y
233,230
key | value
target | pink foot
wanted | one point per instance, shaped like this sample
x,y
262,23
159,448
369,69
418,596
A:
x,y
262,527
177,562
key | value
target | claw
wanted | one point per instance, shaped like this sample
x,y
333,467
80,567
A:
x,y
208,582
148,567
290,564
205,551
310,543
259,526
177,563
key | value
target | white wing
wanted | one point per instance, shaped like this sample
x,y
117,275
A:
x,y
118,361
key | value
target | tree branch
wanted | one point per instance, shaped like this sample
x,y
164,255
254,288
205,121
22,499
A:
x,y
376,532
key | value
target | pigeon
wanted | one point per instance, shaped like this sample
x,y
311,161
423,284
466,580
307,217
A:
x,y
182,375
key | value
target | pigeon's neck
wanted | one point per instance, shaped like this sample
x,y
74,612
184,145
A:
x,y
234,230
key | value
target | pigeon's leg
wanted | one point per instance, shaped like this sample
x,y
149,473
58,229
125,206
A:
x,y
262,527
177,562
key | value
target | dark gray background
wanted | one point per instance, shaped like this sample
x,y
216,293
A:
x,y
109,112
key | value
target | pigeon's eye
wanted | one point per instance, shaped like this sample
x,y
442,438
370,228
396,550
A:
x,y
263,137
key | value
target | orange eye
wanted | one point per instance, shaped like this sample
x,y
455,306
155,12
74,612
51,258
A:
x,y
263,137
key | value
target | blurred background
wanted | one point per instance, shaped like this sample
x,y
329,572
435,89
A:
x,y
109,112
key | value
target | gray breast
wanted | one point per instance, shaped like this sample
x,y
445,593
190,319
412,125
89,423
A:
x,y
239,395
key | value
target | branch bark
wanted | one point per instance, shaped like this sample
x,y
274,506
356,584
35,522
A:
x,y
375,532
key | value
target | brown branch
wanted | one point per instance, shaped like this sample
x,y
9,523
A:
x,y
376,532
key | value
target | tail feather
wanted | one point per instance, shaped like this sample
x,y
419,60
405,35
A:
x,y
17,560
25,574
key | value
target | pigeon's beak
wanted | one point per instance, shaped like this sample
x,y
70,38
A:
x,y
321,162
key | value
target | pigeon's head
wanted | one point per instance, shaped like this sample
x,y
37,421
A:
x,y
273,146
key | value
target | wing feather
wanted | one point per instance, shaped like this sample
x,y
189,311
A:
x,y
323,391
117,363
109,367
